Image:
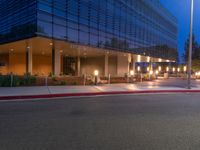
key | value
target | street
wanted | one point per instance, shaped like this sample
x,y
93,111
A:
x,y
126,122
171,82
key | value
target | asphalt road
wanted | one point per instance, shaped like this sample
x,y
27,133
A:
x,y
172,82
148,122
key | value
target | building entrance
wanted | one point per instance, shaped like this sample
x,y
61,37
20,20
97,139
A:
x,y
69,66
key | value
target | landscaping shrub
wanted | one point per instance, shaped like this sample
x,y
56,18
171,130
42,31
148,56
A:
x,y
53,78
63,83
28,80
50,74
5,81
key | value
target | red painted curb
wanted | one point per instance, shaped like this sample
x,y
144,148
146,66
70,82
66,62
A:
x,y
94,94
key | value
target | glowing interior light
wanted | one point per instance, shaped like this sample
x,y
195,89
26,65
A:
x,y
185,68
167,69
139,58
159,68
138,68
148,59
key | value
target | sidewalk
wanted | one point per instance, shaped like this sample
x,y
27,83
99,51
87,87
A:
x,y
64,91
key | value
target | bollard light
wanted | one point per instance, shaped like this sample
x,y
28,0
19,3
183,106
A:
x,y
131,72
157,72
151,72
148,69
96,72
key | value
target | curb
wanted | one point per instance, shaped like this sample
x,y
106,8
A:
x,y
46,96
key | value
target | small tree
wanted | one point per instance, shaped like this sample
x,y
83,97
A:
x,y
195,50
196,65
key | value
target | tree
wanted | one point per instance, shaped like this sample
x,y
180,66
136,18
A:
x,y
195,50
196,65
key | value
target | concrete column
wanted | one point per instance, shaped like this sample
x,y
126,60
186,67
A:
x,y
78,66
106,65
151,64
57,62
129,63
134,60
53,59
29,60
122,65
133,65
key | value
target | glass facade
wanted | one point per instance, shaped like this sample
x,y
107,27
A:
x,y
139,26
18,19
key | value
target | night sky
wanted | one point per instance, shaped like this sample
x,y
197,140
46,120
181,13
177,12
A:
x,y
181,10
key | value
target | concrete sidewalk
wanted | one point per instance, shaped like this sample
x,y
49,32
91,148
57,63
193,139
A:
x,y
171,85
44,90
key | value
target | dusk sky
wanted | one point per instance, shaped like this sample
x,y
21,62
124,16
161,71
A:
x,y
181,10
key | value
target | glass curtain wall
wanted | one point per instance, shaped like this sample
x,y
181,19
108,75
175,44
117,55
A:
x,y
140,26
17,19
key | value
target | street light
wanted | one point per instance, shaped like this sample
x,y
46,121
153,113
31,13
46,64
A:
x,y
190,46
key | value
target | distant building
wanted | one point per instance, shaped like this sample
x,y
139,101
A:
x,y
76,37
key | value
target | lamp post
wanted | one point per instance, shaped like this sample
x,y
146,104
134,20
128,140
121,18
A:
x,y
190,46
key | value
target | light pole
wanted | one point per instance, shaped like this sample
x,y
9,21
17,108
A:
x,y
190,46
